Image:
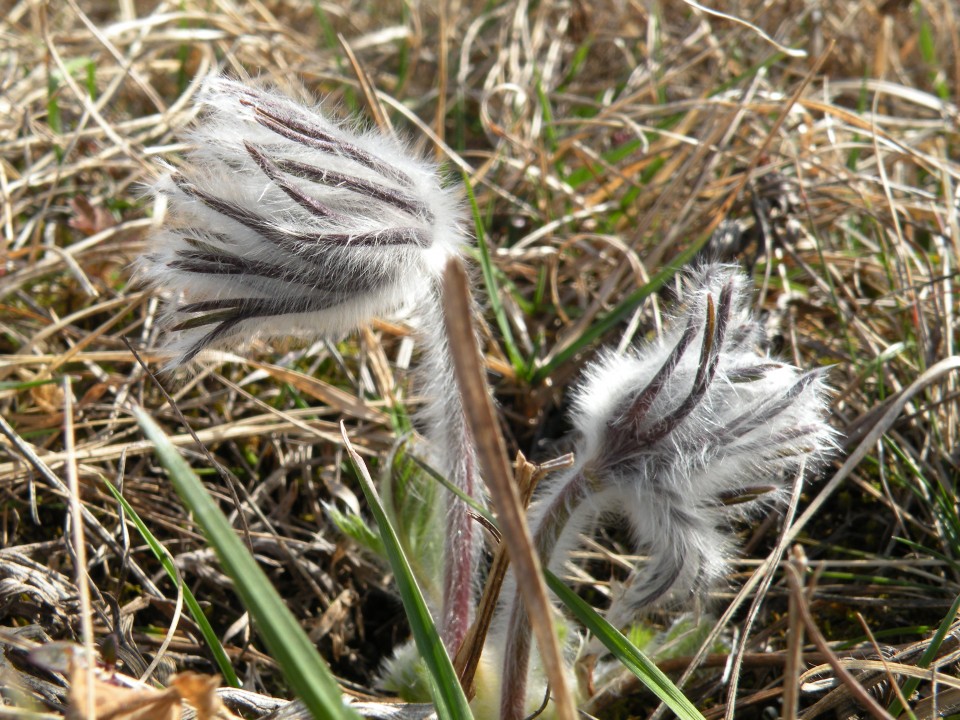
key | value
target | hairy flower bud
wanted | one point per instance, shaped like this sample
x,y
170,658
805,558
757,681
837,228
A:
x,y
677,438
284,222
693,430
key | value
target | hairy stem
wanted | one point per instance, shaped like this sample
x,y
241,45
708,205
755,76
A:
x,y
461,553
455,458
547,526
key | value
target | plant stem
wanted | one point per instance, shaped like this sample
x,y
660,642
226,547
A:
x,y
548,522
461,553
455,457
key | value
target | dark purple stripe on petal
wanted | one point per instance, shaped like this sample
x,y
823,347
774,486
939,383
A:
x,y
263,227
246,308
666,571
294,243
379,238
332,178
640,405
227,314
310,204
330,274
203,263
766,411
714,332
305,132
222,330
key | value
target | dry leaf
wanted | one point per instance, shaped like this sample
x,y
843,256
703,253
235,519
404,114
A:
x,y
48,398
118,697
89,219
200,691
113,701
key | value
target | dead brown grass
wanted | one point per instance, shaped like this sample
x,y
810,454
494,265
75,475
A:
x,y
604,141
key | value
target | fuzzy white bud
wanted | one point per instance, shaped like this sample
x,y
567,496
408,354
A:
x,y
283,221
678,438
692,431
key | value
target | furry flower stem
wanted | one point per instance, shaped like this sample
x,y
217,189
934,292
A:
x,y
575,488
455,455
284,222
491,453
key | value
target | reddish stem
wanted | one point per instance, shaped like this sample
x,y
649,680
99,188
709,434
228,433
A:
x,y
460,556
455,456
547,526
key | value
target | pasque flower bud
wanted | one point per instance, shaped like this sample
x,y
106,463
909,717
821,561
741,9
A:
x,y
678,438
284,222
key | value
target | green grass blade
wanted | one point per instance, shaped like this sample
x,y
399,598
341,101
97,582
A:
x,y
447,485
490,280
196,612
332,44
929,655
27,384
448,696
623,309
632,659
356,528
289,645
546,113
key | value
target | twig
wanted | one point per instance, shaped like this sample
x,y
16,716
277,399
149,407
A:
x,y
89,663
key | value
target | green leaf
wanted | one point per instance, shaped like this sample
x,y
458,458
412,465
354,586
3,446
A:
x,y
289,645
929,655
448,696
196,612
632,659
354,527
415,505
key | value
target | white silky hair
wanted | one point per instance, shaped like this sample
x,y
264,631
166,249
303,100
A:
x,y
286,222
676,465
453,453
757,425
236,242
